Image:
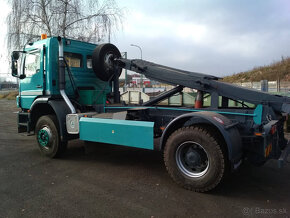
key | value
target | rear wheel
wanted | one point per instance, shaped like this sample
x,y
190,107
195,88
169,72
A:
x,y
194,159
48,138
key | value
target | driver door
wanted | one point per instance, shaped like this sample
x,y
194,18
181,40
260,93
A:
x,y
32,86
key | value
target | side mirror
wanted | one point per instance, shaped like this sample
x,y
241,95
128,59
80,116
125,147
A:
x,y
22,76
15,56
14,66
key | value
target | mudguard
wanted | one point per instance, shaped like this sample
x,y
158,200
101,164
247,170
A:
x,y
61,110
226,128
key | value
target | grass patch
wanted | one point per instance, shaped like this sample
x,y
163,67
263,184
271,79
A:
x,y
9,96
12,95
3,96
279,69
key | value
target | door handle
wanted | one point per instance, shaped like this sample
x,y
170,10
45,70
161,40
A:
x,y
38,86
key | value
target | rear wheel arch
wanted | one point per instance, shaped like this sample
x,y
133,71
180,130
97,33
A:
x,y
190,120
204,120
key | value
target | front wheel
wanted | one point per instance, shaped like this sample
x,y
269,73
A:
x,y
194,159
48,138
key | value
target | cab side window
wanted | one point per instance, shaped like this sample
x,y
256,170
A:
x,y
32,63
73,59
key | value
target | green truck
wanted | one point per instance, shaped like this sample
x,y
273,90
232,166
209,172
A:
x,y
69,89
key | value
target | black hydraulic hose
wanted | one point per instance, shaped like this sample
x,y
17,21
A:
x,y
71,79
102,91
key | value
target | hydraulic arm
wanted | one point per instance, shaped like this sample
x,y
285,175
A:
x,y
206,83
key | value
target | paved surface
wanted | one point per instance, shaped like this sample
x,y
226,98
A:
x,y
111,181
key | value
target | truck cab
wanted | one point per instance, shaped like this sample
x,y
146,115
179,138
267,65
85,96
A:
x,y
40,67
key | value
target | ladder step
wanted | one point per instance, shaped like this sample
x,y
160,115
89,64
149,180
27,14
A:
x,y
23,124
23,113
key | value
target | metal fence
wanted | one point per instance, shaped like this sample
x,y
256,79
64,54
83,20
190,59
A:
x,y
8,86
273,86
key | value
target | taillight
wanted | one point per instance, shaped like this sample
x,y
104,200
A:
x,y
273,129
268,150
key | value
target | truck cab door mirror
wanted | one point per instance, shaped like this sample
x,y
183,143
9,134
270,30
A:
x,y
14,67
22,76
15,57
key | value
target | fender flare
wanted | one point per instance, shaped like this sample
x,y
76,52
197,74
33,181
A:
x,y
226,128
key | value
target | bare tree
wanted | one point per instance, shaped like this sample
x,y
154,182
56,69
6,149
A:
x,y
86,20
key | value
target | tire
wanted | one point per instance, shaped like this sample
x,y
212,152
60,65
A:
x,y
48,137
102,65
194,159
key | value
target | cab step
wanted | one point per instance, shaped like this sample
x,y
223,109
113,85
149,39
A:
x,y
24,122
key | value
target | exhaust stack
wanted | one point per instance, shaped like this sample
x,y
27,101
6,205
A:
x,y
61,72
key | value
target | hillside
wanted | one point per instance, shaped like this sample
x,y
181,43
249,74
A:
x,y
279,69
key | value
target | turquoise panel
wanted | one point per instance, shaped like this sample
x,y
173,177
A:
x,y
258,114
137,134
26,101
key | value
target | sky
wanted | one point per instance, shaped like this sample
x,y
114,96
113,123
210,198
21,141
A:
x,y
218,37
4,68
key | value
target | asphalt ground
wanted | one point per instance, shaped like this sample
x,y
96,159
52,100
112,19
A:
x,y
113,181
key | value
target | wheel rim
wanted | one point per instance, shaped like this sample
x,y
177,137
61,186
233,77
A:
x,y
192,159
108,61
44,137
